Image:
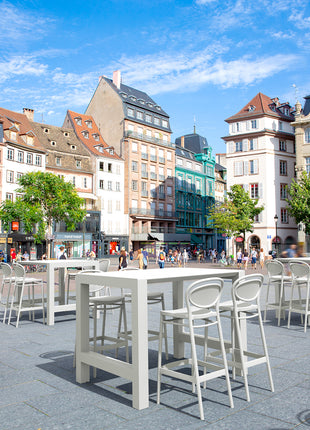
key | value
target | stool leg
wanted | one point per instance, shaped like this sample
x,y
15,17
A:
x,y
237,326
160,348
265,350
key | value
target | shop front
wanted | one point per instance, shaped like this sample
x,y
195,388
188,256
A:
x,y
76,245
111,245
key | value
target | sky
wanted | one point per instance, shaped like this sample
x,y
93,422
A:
x,y
200,60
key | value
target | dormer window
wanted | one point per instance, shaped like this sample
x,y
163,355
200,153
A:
x,y
133,98
29,140
141,101
96,136
150,104
13,135
111,151
130,112
78,120
89,123
66,134
251,108
53,143
158,107
164,123
85,134
124,95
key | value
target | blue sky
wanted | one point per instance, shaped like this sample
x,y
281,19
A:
x,y
202,59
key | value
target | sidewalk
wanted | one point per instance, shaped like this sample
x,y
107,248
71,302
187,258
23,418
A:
x,y
38,388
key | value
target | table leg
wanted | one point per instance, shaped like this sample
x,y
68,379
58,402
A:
x,y
178,302
61,285
50,301
82,332
140,383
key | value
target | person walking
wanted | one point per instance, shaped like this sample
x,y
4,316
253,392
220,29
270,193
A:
x,y
161,258
139,257
262,257
245,259
185,257
145,258
122,261
239,258
253,258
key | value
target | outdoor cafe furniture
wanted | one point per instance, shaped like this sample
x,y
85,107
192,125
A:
x,y
201,312
137,281
19,303
244,306
278,278
6,285
301,279
58,304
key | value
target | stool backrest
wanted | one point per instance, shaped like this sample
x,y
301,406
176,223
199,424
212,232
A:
x,y
299,269
247,288
93,288
274,268
19,270
104,265
6,270
204,293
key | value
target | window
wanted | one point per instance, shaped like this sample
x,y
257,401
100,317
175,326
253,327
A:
x,y
18,176
165,138
283,191
38,161
101,184
169,173
188,165
101,166
253,144
118,169
109,206
78,120
73,180
29,158
140,131
96,136
254,191
53,143
10,154
180,161
134,166
85,134
134,147
139,115
13,135
73,147
282,145
148,118
148,133
238,168
280,125
89,123
85,182
284,216
283,168
130,112
117,186
9,196
169,191
131,128
46,130
10,176
118,205
308,165
78,164
156,121
110,185
307,135
169,155
110,167
20,156
253,123
238,146
164,123
58,161
253,167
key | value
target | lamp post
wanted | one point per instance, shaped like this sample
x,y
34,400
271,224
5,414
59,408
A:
x,y
276,223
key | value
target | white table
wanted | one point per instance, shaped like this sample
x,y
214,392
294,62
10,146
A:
x,y
51,265
137,281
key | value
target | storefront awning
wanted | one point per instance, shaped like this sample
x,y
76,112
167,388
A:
x,y
90,196
196,239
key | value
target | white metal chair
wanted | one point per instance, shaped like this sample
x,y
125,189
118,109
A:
x,y
201,312
244,306
18,302
277,277
6,285
153,297
301,278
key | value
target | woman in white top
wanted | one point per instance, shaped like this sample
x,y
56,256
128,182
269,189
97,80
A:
x,y
261,258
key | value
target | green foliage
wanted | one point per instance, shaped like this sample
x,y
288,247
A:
x,y
236,215
299,200
45,198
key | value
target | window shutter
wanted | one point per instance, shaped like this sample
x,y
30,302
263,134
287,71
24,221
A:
x,y
245,144
233,127
255,166
254,143
260,190
231,146
246,167
246,188
248,125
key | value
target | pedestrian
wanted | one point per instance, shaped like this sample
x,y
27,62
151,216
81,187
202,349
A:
x,y
122,261
92,255
185,257
139,257
131,254
161,258
262,257
13,255
239,258
253,258
145,258
62,253
245,259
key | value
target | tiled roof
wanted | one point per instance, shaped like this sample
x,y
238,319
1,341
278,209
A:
x,y
98,147
183,152
24,127
194,142
262,105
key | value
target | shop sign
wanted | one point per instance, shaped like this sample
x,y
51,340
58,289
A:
x,y
15,225
239,239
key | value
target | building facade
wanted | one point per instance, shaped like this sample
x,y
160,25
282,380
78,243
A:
x,y
302,136
139,130
260,156
108,183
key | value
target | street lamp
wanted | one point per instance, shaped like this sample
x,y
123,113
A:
x,y
276,222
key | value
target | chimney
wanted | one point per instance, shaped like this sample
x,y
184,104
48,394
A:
x,y
117,78
182,141
29,113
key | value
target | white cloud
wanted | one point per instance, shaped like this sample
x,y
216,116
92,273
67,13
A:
x,y
302,22
163,74
204,2
283,35
19,66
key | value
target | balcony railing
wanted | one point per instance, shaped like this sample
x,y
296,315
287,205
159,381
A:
x,y
162,160
153,175
153,194
152,212
153,157
146,138
161,177
162,196
144,193
144,156
144,174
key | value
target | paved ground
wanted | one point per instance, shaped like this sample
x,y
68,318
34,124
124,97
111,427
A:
x,y
38,388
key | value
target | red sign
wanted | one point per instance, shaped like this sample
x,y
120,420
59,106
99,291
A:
x,y
15,225
239,239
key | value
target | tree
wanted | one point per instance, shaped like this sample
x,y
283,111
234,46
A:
x,y
236,215
45,198
299,200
